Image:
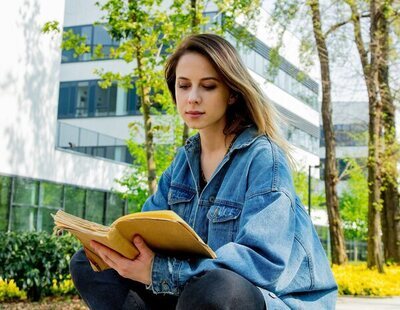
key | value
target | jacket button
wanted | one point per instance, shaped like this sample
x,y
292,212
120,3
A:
x,y
272,295
211,199
165,286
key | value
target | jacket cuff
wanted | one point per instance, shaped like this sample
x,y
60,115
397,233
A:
x,y
165,275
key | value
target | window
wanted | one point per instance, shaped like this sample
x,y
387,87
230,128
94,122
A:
x,y
348,135
82,99
105,100
115,208
74,200
50,200
95,35
256,59
5,189
34,201
24,206
301,139
88,99
95,206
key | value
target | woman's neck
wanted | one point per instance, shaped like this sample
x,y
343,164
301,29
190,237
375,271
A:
x,y
212,142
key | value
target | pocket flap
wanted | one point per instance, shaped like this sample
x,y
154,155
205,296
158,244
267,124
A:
x,y
219,214
179,195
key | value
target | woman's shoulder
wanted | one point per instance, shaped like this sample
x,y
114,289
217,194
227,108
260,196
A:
x,y
264,149
268,165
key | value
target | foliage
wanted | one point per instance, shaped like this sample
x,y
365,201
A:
x,y
9,291
134,181
148,32
357,279
63,286
300,180
354,202
34,259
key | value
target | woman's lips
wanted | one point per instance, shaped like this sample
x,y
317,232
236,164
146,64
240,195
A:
x,y
194,114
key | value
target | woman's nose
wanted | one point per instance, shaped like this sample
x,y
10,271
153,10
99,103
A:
x,y
194,97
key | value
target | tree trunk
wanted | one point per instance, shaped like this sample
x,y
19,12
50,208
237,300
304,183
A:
x,y
390,194
149,139
375,257
338,247
144,94
370,74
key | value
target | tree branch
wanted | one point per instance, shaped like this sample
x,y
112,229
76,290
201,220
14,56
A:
x,y
338,25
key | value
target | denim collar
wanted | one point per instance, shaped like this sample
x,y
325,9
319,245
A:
x,y
245,138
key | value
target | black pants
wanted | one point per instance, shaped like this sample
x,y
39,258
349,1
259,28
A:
x,y
215,289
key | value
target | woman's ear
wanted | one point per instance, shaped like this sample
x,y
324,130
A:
x,y
232,98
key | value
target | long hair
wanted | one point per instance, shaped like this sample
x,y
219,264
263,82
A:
x,y
251,107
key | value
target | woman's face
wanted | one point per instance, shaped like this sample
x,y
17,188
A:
x,y
201,97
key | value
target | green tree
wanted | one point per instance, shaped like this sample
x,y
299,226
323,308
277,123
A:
x,y
300,180
284,13
354,201
374,47
148,32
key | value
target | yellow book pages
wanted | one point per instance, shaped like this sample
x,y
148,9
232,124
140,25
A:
x,y
164,231
85,231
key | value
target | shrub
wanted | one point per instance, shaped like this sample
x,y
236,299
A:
x,y
9,291
357,279
34,259
63,286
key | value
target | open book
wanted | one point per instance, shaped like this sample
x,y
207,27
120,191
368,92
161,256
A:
x,y
163,231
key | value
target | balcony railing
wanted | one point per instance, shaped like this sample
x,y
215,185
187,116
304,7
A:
x,y
92,143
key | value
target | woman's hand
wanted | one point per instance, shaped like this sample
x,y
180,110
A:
x,y
138,269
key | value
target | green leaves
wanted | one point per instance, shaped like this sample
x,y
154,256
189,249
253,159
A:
x,y
75,42
52,26
33,260
354,202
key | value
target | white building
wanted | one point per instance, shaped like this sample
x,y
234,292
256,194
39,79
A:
x,y
62,136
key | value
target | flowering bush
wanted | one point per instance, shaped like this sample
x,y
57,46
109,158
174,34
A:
x,y
34,259
9,291
63,286
357,279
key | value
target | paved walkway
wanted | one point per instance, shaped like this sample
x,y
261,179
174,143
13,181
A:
x,y
364,303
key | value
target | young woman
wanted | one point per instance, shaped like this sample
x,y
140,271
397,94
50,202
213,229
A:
x,y
232,183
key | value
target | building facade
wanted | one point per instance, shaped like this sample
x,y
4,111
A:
x,y
64,137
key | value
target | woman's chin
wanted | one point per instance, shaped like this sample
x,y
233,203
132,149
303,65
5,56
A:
x,y
191,125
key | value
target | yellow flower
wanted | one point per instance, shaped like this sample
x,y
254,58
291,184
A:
x,y
357,279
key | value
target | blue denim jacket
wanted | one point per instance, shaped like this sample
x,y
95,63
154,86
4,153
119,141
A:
x,y
249,214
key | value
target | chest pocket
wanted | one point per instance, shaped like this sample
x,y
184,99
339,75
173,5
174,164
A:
x,y
180,200
223,225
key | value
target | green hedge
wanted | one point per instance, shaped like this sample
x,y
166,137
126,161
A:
x,y
35,259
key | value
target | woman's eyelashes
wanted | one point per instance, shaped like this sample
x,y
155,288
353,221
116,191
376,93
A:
x,y
209,87
206,87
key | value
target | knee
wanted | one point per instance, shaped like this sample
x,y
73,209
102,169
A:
x,y
219,289
79,267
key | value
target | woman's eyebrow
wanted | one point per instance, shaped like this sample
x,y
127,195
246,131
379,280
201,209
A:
x,y
202,79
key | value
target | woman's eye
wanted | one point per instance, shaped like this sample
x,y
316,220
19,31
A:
x,y
183,86
209,87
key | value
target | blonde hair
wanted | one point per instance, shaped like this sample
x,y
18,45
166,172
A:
x,y
251,107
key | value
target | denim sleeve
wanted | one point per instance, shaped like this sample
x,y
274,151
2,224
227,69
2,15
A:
x,y
259,252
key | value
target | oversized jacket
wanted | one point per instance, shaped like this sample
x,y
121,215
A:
x,y
249,214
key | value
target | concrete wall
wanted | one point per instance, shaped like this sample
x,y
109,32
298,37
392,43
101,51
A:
x,y
29,83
